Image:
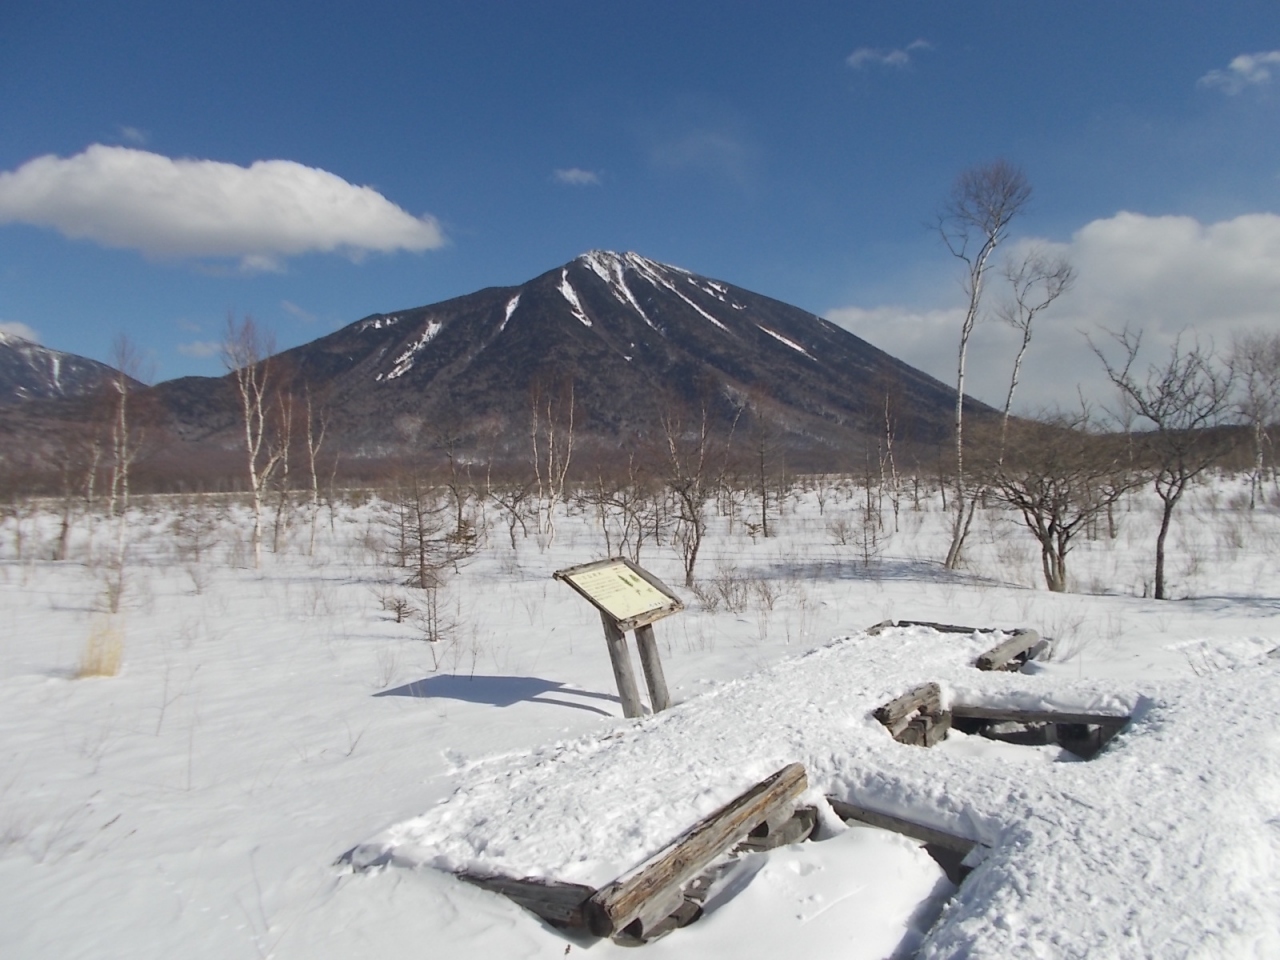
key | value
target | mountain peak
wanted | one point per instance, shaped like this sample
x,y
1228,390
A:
x,y
29,371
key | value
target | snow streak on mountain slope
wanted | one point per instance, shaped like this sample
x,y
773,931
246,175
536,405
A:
x,y
404,362
611,268
1140,853
571,297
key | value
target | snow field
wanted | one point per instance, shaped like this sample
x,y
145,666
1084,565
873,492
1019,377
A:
x,y
266,721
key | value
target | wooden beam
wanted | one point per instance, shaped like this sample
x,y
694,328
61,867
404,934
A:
x,y
797,827
927,698
558,903
652,667
1017,715
945,627
1002,655
908,828
623,673
655,885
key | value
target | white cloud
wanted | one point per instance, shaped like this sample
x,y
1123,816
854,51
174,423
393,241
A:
x,y
126,198
577,177
200,349
13,328
1164,276
1246,70
898,57
133,135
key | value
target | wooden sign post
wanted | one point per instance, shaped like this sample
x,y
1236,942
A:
x,y
628,598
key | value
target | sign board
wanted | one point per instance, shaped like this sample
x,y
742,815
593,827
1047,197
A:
x,y
628,595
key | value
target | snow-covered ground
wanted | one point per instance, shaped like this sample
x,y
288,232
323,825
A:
x,y
264,722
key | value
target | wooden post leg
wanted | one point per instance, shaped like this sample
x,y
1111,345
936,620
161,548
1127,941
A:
x,y
652,666
622,671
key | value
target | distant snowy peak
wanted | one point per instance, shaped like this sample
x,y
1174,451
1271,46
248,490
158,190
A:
x,y
613,269
627,333
29,371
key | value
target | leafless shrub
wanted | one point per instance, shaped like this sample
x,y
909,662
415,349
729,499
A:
x,y
397,605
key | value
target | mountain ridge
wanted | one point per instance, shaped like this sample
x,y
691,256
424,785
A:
x,y
629,339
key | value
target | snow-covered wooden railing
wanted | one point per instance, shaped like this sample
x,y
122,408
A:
x,y
952,852
917,718
654,896
1009,654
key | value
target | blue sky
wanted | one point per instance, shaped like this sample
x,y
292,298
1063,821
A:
x,y
423,151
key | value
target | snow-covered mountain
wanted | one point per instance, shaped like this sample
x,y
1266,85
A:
x,y
635,339
29,371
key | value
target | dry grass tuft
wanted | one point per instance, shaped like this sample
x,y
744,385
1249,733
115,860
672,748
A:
x,y
103,650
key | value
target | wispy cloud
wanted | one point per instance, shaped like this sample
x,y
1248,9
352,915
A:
x,y
898,57
12,328
1246,70
189,326
200,349
576,177
293,309
712,151
165,208
133,135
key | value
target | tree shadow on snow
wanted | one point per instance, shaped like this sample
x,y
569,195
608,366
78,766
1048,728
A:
x,y
497,691
849,568
1238,605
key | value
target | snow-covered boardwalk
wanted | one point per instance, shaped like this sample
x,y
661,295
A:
x,y
1166,845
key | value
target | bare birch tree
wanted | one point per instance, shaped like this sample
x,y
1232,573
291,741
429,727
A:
x,y
1255,358
973,222
317,423
551,432
1035,281
246,353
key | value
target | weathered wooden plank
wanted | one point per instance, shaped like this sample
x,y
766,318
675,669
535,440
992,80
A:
x,y
623,673
927,698
650,663
945,627
795,828
660,878
908,828
1018,715
935,730
557,903
1002,655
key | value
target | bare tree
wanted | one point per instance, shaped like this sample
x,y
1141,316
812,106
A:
x,y
551,431
763,455
125,433
1255,359
695,468
627,504
1060,475
317,423
1183,398
973,222
126,438
247,353
1035,282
